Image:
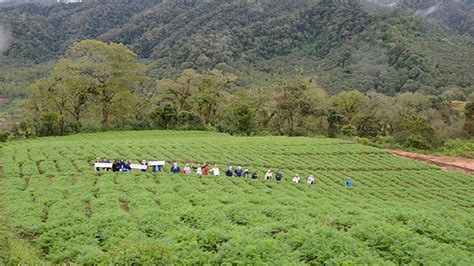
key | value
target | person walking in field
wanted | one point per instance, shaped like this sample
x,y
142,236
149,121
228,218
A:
x,y
215,170
349,183
205,169
175,169
296,179
255,175
238,172
278,176
311,180
229,172
186,169
268,175
144,163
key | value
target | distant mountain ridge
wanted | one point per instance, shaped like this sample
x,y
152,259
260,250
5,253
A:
x,y
344,44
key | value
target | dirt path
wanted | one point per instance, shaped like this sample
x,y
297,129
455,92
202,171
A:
x,y
457,164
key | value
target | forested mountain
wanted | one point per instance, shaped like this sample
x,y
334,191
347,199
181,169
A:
x,y
343,44
457,15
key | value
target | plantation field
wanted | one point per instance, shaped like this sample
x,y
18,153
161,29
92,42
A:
x,y
56,209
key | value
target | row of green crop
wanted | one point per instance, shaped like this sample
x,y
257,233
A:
x,y
218,220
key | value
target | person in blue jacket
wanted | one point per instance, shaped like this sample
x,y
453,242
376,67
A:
x,y
349,182
229,172
238,172
278,176
175,169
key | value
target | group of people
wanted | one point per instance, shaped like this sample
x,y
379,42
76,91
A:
x,y
124,166
203,170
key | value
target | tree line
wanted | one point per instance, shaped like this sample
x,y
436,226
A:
x,y
99,86
262,42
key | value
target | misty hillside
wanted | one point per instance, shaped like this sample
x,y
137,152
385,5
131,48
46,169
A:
x,y
344,45
456,15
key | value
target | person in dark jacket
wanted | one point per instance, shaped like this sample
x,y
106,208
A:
x,y
238,172
121,165
144,163
127,166
175,168
255,175
278,176
116,166
229,172
246,173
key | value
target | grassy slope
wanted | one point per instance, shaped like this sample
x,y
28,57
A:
x,y
56,209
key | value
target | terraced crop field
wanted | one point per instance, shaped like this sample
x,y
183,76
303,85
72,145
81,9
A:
x,y
56,209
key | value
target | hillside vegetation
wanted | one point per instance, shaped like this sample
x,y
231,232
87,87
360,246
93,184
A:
x,y
55,208
342,43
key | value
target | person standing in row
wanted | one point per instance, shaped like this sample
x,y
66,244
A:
x,y
199,170
215,170
175,169
238,172
205,169
268,175
349,182
296,179
246,173
311,180
278,176
255,175
186,169
145,168
229,172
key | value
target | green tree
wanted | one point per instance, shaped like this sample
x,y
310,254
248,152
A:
x,y
239,118
107,70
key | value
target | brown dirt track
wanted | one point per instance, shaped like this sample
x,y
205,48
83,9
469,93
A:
x,y
457,164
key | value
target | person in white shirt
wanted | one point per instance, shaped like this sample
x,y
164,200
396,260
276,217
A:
x,y
296,179
199,169
311,180
215,170
268,175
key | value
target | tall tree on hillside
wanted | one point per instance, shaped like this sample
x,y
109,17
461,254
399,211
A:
x,y
108,70
96,79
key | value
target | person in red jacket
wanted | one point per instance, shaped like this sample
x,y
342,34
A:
x,y
205,169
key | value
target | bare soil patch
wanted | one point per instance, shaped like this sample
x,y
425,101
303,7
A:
x,y
457,164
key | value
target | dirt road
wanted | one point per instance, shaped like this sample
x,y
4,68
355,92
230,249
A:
x,y
457,164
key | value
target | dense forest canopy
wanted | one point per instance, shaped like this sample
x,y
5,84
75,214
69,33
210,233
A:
x,y
342,44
